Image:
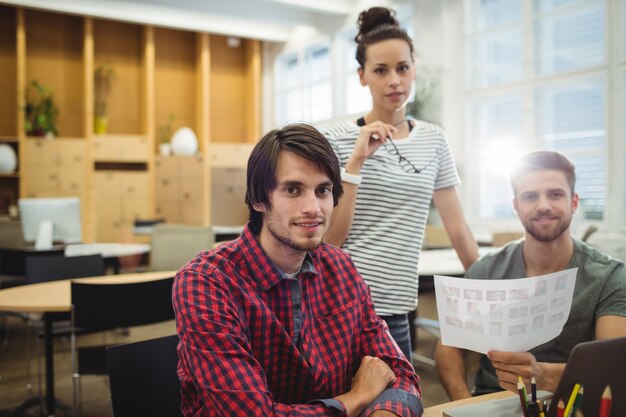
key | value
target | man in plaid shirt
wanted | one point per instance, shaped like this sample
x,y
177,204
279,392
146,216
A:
x,y
277,323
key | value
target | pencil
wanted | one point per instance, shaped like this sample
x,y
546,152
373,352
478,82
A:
x,y
605,402
577,400
519,379
533,389
521,390
572,398
560,409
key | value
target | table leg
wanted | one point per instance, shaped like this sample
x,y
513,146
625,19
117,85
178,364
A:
x,y
50,402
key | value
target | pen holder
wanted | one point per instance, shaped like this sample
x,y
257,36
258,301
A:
x,y
533,409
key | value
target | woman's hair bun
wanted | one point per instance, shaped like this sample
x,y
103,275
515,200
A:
x,y
376,16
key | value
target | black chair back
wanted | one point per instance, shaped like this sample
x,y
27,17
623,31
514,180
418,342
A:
x,y
143,378
109,306
50,268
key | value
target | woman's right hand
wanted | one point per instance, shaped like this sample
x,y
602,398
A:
x,y
371,137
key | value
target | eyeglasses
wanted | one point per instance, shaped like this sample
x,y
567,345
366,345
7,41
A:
x,y
404,163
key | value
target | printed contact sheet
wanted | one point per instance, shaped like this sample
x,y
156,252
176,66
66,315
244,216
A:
x,y
505,314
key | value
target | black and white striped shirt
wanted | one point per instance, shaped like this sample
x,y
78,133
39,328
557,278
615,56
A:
x,y
392,208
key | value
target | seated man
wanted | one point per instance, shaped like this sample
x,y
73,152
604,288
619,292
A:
x,y
277,323
543,184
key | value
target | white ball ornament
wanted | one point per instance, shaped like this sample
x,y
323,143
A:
x,y
184,142
8,159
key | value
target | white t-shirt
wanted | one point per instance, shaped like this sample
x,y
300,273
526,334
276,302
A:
x,y
392,208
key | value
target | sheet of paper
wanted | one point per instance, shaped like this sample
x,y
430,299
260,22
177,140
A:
x,y
512,315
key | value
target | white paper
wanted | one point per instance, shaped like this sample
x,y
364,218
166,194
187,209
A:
x,y
512,315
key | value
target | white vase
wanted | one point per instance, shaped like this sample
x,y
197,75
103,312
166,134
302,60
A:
x,y
8,159
184,142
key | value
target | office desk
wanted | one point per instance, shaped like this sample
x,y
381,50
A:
x,y
53,297
444,261
436,262
437,411
13,259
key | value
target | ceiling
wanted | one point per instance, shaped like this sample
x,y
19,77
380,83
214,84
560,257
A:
x,y
269,20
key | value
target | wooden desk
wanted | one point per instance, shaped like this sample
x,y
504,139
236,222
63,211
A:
x,y
437,410
54,297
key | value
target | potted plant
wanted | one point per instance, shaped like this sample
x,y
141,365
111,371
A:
x,y
40,111
165,134
103,76
426,92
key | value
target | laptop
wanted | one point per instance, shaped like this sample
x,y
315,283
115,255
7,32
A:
x,y
594,364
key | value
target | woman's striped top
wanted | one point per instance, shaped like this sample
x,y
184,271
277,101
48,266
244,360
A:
x,y
392,208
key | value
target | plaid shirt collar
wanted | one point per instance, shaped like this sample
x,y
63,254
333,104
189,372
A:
x,y
265,272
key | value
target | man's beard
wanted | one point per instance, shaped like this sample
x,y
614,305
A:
x,y
305,247
548,235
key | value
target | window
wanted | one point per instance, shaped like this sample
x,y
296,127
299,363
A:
x,y
537,77
356,98
304,85
497,122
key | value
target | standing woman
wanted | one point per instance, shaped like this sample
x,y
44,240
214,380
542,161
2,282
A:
x,y
392,167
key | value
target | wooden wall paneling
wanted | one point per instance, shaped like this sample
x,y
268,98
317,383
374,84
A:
x,y
8,71
9,183
203,109
175,78
149,97
20,36
253,88
54,57
121,46
228,91
203,90
87,203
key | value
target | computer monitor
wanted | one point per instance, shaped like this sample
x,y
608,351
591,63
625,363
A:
x,y
45,220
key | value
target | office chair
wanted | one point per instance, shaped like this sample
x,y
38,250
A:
x,y
50,267
173,245
100,307
143,378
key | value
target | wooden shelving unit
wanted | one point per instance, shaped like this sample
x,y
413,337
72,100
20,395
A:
x,y
9,183
207,85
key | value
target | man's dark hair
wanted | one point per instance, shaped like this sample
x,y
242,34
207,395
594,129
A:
x,y
541,161
301,139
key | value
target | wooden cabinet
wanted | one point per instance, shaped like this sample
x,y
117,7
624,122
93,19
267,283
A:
x,y
180,189
228,183
121,148
182,181
121,198
57,168
160,76
9,182
54,167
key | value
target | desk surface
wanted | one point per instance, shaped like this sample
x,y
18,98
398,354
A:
x,y
437,411
444,261
107,250
55,296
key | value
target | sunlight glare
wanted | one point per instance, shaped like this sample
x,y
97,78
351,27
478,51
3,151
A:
x,y
501,157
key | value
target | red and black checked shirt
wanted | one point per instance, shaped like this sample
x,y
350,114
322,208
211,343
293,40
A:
x,y
234,316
